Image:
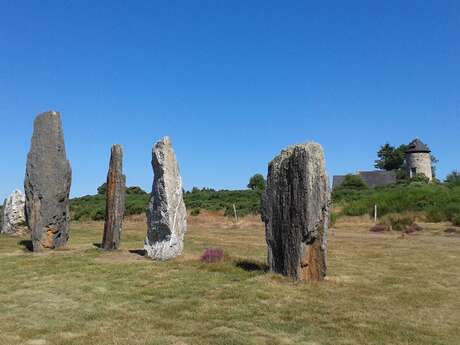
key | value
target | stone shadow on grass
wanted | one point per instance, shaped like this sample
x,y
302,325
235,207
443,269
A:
x,y
97,245
140,252
27,244
252,266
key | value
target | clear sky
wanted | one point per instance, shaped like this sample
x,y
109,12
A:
x,y
232,83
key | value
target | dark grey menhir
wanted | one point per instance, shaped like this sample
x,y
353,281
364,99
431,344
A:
x,y
47,184
295,209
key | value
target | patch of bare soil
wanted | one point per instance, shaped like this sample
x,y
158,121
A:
x,y
123,256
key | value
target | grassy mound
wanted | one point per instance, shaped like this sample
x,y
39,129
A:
x,y
437,202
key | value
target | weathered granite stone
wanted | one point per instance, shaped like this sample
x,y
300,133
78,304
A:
x,y
166,216
14,220
295,209
115,201
47,184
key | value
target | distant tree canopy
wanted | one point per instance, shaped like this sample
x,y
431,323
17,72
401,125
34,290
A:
x,y
390,157
135,190
257,183
102,190
353,182
453,178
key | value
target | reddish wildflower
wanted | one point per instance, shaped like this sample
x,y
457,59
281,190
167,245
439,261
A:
x,y
212,255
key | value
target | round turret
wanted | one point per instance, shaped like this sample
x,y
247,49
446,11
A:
x,y
418,159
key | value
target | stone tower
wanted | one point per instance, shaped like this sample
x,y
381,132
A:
x,y
418,159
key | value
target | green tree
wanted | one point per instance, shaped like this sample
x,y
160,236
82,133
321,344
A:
x,y
102,189
257,183
453,178
434,161
390,157
135,190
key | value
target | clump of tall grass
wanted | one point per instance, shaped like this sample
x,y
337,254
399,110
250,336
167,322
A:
x,y
398,222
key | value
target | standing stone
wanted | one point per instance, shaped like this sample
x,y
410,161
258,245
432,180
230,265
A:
x,y
47,184
295,209
166,216
115,200
14,219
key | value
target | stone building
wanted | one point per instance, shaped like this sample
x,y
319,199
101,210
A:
x,y
376,178
418,159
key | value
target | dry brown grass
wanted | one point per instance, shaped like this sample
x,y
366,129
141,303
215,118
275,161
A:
x,y
381,289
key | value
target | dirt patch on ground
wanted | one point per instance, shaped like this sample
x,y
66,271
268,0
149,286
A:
x,y
123,256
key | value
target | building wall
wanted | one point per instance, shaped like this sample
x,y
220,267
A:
x,y
419,163
376,178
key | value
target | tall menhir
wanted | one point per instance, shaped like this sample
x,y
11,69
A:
x,y
47,184
166,216
295,209
115,201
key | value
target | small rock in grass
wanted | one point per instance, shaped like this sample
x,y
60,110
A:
x,y
413,228
452,231
379,228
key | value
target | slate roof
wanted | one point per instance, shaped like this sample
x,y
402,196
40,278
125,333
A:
x,y
417,145
376,178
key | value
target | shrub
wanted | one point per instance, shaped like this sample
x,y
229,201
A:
x,y
102,189
420,178
398,222
333,219
135,190
456,220
195,212
353,182
453,178
211,255
355,209
451,210
98,215
434,215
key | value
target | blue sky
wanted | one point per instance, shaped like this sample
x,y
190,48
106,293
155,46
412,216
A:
x,y
232,82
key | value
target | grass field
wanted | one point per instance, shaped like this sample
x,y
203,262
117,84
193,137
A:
x,y
381,289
